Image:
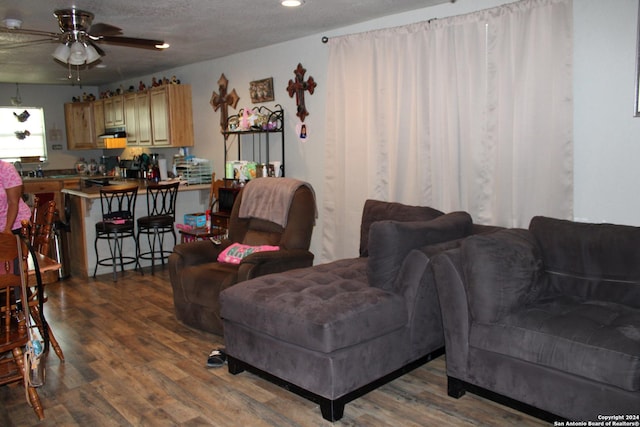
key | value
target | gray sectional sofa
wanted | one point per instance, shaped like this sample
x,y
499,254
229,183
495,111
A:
x,y
332,332
546,319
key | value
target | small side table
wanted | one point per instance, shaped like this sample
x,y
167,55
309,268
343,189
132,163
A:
x,y
220,219
202,233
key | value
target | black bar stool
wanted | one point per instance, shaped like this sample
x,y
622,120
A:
x,y
118,204
161,210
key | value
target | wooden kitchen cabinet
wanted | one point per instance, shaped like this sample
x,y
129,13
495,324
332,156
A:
x,y
130,119
114,111
171,116
98,122
80,126
161,116
41,186
143,110
137,118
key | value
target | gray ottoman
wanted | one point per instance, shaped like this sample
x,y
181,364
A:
x,y
335,331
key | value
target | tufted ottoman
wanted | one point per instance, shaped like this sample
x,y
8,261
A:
x,y
323,330
336,331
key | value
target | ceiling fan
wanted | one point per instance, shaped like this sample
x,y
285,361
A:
x,y
78,38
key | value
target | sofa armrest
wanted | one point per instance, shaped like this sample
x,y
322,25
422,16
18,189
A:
x,y
391,241
267,262
198,252
449,278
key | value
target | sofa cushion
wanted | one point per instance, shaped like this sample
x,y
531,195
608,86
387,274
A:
x,y
323,308
376,210
596,340
391,241
590,261
502,272
607,251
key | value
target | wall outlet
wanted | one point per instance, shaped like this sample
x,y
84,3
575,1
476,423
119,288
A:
x,y
56,147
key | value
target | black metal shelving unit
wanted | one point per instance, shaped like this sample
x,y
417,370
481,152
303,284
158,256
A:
x,y
262,132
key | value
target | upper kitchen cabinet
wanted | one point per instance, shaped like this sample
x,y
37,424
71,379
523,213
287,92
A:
x,y
171,116
114,111
98,122
137,118
80,127
161,116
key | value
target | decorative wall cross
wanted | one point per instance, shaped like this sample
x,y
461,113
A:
x,y
224,100
298,87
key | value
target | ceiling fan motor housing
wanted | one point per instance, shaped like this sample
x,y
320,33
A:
x,y
72,20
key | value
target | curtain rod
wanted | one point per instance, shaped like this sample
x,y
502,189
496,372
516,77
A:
x,y
325,39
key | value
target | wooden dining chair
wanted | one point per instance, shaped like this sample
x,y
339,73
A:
x,y
39,233
14,334
214,192
42,217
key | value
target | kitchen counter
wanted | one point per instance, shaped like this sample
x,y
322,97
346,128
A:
x,y
93,191
85,211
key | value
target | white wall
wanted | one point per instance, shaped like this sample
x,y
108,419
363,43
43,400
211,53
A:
x,y
607,136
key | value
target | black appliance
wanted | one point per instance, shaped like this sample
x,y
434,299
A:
x,y
97,181
110,163
131,168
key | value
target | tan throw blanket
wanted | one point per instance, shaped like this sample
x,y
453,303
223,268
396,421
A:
x,y
270,199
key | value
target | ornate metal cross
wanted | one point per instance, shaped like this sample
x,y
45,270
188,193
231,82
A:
x,y
224,100
298,87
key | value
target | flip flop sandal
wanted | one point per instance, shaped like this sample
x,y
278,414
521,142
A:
x,y
216,359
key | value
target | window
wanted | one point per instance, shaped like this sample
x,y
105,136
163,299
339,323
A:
x,y
22,133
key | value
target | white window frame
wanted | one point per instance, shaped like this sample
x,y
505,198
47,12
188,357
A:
x,y
35,144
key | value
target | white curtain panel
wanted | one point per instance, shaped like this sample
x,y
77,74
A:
x,y
472,112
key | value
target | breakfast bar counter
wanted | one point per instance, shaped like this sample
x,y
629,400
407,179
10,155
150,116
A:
x,y
83,207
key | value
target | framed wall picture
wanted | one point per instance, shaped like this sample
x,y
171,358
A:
x,y
261,90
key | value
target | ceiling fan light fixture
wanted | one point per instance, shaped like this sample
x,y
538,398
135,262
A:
x,y
78,56
92,54
62,53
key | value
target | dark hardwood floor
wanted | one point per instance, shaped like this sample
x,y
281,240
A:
x,y
129,362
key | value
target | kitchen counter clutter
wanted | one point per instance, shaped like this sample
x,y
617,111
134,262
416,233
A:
x,y
90,187
85,212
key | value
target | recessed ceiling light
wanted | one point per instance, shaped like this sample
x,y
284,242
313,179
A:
x,y
291,3
12,24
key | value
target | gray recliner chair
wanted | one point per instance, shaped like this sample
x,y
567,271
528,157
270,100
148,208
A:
x,y
197,278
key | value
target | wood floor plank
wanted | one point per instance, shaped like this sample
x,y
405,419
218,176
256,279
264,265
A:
x,y
130,363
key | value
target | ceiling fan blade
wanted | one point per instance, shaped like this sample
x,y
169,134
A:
x,y
132,42
97,48
21,45
52,36
101,29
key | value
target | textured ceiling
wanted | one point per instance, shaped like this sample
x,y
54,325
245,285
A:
x,y
197,30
